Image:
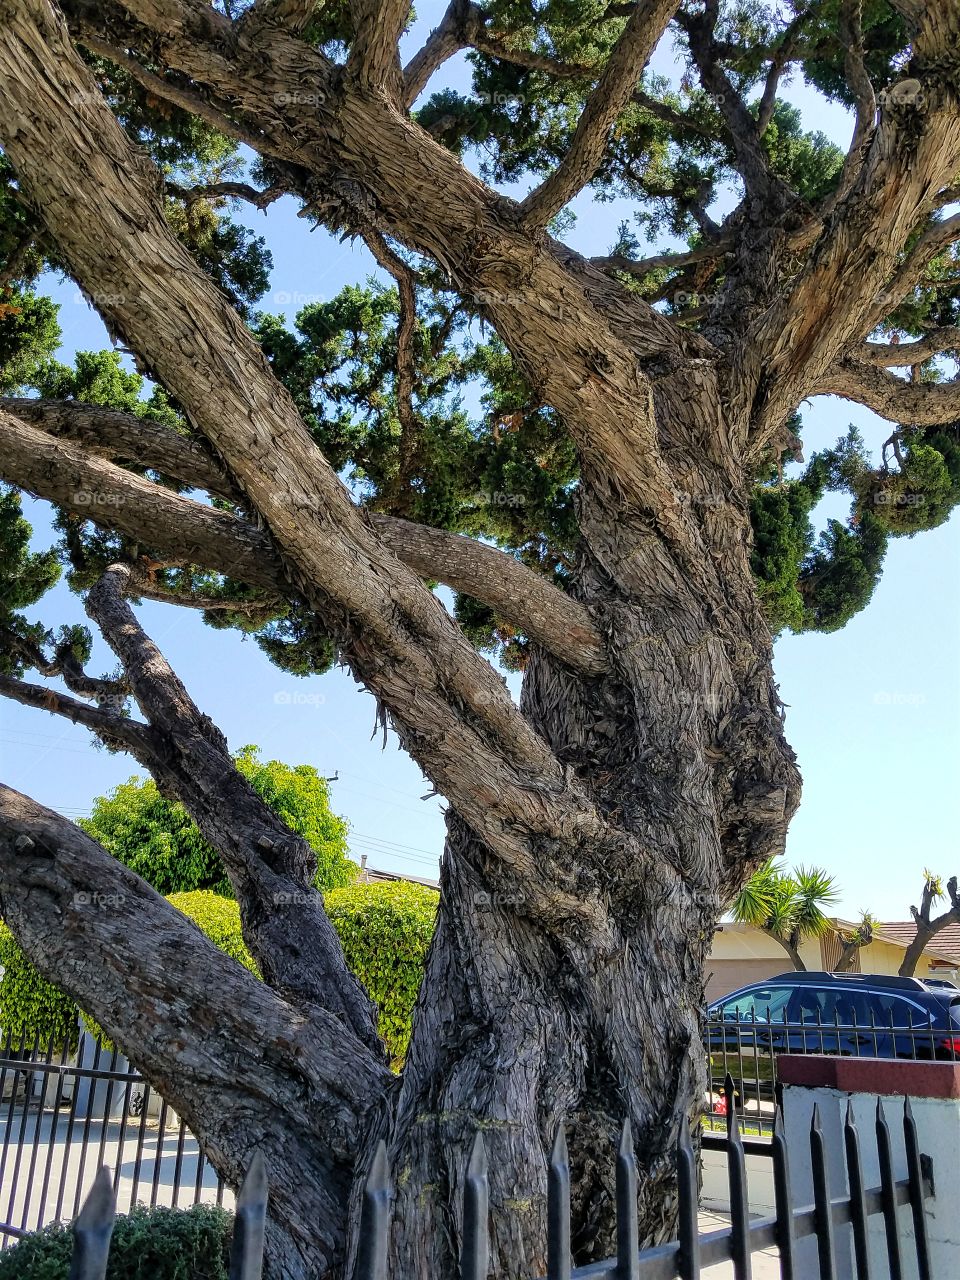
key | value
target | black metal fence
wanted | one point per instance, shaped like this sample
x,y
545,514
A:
x,y
747,1050
68,1107
684,1257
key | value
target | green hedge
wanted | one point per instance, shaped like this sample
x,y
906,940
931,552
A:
x,y
29,1005
385,930
148,1244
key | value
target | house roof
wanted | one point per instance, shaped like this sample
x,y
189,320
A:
x,y
944,945
370,875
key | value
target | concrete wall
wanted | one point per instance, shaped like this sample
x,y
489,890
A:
x,y
938,1128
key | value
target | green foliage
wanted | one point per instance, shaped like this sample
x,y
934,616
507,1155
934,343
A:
x,y
30,1006
29,335
25,576
385,930
219,919
160,842
159,1243
787,905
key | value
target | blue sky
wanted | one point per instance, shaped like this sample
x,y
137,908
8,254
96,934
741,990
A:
x,y
872,710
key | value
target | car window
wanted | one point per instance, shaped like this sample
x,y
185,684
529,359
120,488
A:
x,y
895,1011
849,1008
761,1003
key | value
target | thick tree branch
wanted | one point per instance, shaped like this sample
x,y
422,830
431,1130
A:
x,y
443,42
617,83
903,354
125,438
374,59
191,1018
293,15
186,532
270,868
449,707
743,128
918,403
913,155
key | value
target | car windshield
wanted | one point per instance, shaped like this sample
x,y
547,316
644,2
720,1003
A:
x,y
761,1003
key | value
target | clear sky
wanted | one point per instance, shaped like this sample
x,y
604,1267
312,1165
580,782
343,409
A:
x,y
873,709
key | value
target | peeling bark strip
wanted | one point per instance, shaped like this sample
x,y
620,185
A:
x,y
520,596
450,709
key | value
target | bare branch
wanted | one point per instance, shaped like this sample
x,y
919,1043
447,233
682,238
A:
x,y
937,237
123,437
113,729
669,261
914,154
167,92
227,191
902,354
402,492
614,90
743,129
918,403
443,42
865,102
186,532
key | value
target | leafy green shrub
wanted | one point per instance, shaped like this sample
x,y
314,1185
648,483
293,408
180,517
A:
x,y
31,1006
148,1244
160,841
219,918
385,930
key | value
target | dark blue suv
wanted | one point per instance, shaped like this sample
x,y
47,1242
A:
x,y
862,1015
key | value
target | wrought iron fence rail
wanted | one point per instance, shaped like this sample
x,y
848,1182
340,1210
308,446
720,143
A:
x,y
684,1257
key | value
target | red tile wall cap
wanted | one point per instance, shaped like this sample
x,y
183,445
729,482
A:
x,y
883,1076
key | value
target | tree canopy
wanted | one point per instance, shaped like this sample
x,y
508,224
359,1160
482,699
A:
x,y
159,840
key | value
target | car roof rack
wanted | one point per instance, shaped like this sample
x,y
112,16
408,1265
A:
x,y
892,980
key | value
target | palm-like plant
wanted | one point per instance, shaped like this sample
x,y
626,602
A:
x,y
789,906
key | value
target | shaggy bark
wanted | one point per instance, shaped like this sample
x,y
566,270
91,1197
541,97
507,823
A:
x,y
594,836
185,532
